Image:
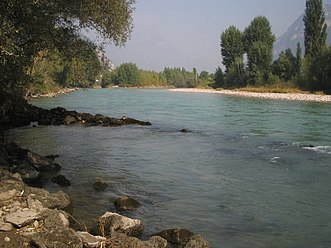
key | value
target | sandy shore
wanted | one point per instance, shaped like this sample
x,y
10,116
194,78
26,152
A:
x,y
273,96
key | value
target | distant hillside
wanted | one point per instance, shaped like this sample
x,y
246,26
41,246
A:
x,y
295,34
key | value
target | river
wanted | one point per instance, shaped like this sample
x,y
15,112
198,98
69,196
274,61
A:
x,y
250,173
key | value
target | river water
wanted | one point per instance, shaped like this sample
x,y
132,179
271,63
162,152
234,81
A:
x,y
252,173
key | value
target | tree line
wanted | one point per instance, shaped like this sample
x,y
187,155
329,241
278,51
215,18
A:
x,y
129,75
248,55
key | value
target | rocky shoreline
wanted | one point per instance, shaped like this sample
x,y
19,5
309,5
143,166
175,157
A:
x,y
33,217
52,94
271,96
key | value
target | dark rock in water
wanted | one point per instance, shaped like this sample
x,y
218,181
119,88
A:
x,y
27,171
182,238
112,222
100,186
184,130
61,180
126,203
52,157
69,120
41,163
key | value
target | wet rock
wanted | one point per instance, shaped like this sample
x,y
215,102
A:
x,y
57,238
52,157
100,186
22,217
61,180
41,163
197,241
126,203
69,120
112,222
177,237
184,130
27,171
119,240
91,241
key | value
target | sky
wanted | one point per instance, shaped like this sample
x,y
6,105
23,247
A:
x,y
186,33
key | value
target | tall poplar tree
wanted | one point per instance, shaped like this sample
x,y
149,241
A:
x,y
315,27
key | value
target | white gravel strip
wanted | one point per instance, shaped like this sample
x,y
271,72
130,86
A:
x,y
273,96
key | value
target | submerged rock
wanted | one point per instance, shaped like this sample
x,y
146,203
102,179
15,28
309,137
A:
x,y
126,203
100,186
61,180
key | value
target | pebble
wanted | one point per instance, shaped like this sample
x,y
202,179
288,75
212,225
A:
x,y
7,239
36,224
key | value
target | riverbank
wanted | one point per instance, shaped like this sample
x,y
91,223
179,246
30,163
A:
x,y
52,94
271,96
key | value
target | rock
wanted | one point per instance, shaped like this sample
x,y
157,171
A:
x,y
8,195
22,217
197,241
112,222
52,157
69,120
57,238
177,237
184,130
58,200
119,240
61,180
126,203
91,241
27,171
100,186
41,163
5,227
55,219
34,204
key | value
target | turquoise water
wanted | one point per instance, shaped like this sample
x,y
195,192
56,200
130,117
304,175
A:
x,y
252,173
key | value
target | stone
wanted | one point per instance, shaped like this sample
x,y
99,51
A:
x,y
100,186
197,241
28,172
69,120
91,241
61,180
8,195
34,204
58,200
22,217
126,203
112,222
52,157
55,219
119,240
177,237
57,238
41,163
6,227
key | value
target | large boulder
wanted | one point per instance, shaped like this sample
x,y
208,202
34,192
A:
x,y
126,203
41,163
69,120
23,217
113,222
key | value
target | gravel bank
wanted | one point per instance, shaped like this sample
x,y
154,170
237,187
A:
x,y
273,96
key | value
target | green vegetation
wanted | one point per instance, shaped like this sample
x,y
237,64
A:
x,y
40,43
128,75
288,73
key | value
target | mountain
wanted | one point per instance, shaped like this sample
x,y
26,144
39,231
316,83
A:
x,y
295,34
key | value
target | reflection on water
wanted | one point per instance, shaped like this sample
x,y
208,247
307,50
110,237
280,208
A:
x,y
251,173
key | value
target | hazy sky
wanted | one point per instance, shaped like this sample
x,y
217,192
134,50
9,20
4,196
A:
x,y
186,33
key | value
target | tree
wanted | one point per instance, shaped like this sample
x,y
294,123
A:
x,y
218,78
232,46
285,66
28,27
298,59
258,44
126,74
315,27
